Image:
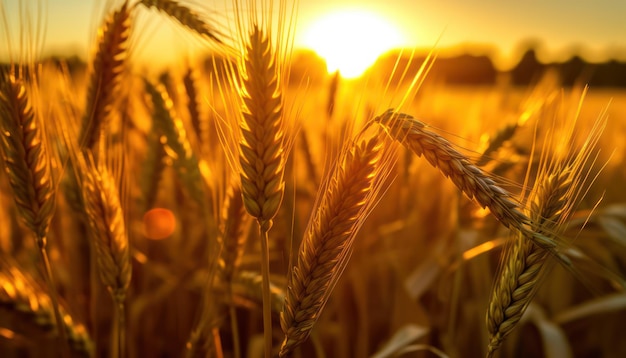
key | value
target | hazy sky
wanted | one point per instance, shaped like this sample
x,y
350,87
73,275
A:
x,y
597,26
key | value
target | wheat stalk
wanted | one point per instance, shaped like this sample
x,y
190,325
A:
x,y
346,201
110,240
559,187
28,167
106,74
261,150
185,16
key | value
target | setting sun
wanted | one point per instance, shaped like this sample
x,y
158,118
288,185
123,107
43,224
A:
x,y
351,40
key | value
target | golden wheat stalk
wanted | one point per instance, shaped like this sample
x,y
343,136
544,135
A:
x,y
28,167
561,182
109,237
470,179
346,200
186,17
20,294
262,148
106,74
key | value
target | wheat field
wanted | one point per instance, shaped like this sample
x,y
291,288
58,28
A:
x,y
234,206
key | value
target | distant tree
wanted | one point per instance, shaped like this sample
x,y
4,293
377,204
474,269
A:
x,y
609,74
575,70
528,70
466,70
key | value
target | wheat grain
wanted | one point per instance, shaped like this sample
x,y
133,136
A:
x,y
328,239
106,74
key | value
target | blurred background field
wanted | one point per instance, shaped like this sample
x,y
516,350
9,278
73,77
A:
x,y
424,264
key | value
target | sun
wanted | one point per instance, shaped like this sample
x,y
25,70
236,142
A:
x,y
351,40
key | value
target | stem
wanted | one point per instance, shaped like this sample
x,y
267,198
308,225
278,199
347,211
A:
x,y
264,227
234,325
118,330
65,349
217,343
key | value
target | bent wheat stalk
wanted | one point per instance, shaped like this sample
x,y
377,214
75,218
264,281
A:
x,y
346,201
470,179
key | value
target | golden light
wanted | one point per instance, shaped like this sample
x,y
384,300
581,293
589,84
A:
x,y
351,40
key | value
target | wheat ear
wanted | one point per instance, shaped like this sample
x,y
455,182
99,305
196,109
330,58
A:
x,y
185,16
26,158
106,220
523,268
106,74
261,151
497,141
198,123
558,188
110,240
470,179
21,294
262,145
171,127
346,200
28,167
232,237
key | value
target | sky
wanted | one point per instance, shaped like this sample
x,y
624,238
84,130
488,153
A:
x,y
595,28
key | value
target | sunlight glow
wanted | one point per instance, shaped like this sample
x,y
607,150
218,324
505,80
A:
x,y
351,40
